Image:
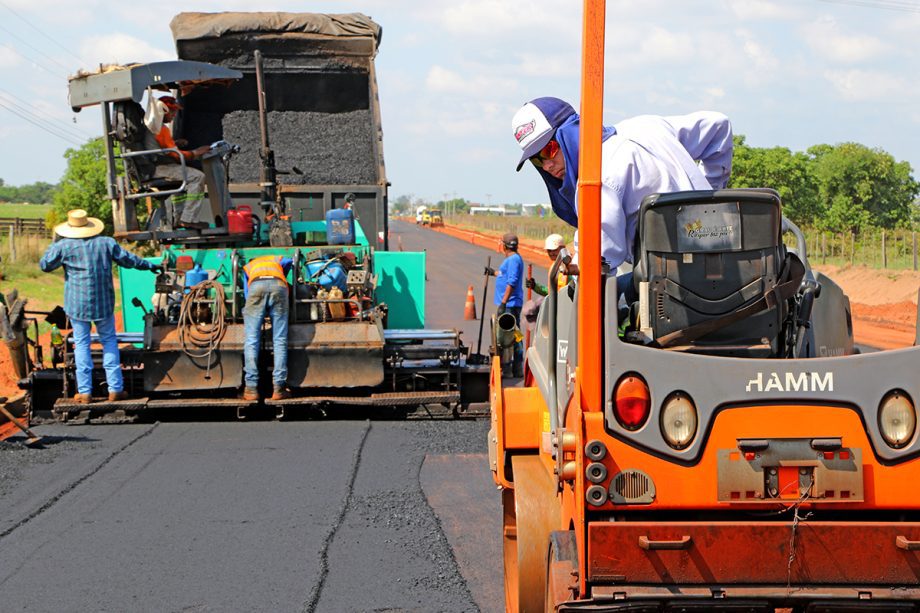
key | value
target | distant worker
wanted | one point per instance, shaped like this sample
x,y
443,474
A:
x,y
168,167
553,245
639,156
89,296
266,292
509,294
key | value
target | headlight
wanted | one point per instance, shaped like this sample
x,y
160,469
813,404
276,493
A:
x,y
897,419
678,420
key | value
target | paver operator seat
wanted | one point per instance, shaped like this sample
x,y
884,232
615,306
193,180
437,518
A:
x,y
134,137
713,274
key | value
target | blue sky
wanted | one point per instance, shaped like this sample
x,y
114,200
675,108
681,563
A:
x,y
790,73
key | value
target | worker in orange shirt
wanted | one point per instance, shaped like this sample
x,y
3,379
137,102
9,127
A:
x,y
168,167
266,290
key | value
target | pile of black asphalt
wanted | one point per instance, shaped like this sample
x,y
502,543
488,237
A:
x,y
329,148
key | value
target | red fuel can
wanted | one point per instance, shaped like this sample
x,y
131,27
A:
x,y
239,220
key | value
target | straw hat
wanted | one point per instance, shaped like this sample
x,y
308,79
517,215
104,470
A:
x,y
79,225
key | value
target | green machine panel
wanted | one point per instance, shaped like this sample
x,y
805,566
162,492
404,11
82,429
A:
x,y
401,285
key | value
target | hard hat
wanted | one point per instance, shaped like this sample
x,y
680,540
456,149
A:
x,y
510,241
553,242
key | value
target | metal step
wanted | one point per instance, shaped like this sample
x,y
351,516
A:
x,y
389,399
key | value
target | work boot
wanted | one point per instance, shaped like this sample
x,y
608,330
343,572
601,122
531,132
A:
x,y
193,225
116,396
280,393
82,398
250,393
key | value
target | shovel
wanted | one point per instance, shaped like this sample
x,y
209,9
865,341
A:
x,y
33,440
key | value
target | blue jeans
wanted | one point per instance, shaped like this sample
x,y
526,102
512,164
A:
x,y
111,358
266,296
626,288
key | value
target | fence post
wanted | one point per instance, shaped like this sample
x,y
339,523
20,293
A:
x,y
12,243
824,247
884,252
852,248
914,237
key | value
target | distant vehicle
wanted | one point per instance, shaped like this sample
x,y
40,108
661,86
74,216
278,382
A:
x,y
435,218
420,214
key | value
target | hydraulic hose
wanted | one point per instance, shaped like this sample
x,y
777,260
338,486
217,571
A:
x,y
199,339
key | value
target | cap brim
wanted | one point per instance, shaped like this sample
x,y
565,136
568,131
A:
x,y
535,147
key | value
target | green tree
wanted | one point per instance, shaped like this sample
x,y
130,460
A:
x,y
83,185
862,187
780,169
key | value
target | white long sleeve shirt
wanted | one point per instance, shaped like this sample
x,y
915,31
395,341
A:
x,y
650,154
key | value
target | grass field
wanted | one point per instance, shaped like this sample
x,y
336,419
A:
x,y
26,211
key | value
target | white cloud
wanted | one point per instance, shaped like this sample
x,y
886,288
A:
x,y
826,38
861,85
120,48
761,57
761,10
486,18
661,45
441,80
8,57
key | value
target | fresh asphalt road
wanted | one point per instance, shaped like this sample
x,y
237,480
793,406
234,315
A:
x,y
334,515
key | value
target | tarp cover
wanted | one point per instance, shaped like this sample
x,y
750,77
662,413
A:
x,y
193,26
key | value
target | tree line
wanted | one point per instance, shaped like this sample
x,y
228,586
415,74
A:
x,y
846,187
33,193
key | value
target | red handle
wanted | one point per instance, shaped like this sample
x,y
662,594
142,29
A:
x,y
244,207
650,545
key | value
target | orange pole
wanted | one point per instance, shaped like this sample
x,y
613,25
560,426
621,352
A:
x,y
590,336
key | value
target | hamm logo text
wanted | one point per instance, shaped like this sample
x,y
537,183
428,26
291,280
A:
x,y
791,382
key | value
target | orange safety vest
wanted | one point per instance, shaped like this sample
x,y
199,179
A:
x,y
265,266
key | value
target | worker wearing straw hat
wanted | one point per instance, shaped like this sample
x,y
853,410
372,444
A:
x,y
89,296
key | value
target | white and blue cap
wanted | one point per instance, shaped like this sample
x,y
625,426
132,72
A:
x,y
535,124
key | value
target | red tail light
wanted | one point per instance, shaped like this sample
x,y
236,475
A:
x,y
631,402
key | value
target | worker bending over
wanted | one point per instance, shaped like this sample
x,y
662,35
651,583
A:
x,y
644,155
266,290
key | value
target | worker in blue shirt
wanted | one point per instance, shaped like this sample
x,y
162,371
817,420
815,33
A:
x,y
89,296
639,156
266,290
509,294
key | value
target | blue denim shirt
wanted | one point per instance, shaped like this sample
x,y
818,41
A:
x,y
88,291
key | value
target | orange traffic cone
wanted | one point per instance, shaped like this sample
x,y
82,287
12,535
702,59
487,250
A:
x,y
469,311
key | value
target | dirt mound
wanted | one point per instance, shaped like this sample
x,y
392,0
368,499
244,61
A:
x,y
872,287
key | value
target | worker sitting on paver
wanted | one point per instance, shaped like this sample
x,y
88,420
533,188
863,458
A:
x,y
168,166
266,289
639,156
89,296
509,294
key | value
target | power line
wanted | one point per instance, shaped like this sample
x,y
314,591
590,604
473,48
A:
x,y
56,75
50,130
906,6
35,49
37,29
53,122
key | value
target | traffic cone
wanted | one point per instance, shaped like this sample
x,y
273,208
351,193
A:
x,y
469,311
